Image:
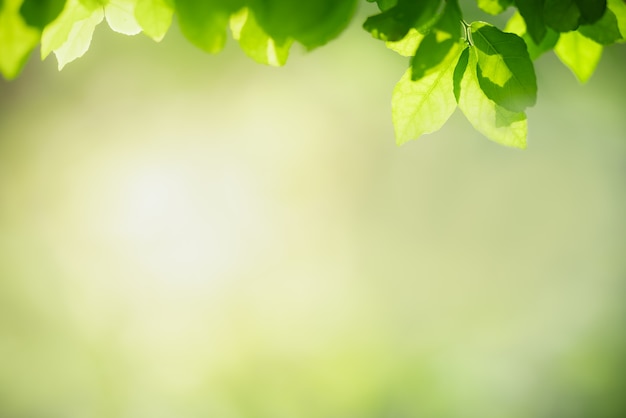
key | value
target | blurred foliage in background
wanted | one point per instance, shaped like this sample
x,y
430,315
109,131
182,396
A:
x,y
186,236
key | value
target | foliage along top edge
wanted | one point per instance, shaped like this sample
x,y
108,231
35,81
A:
x,y
485,71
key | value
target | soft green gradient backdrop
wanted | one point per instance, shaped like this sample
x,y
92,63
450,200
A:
x,y
186,236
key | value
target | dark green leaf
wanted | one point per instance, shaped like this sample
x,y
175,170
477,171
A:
x,y
532,12
38,13
505,71
459,70
605,31
517,26
439,41
561,15
393,24
312,23
591,10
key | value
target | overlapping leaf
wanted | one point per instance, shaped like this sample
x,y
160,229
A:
x,y
436,45
394,23
487,117
69,35
504,69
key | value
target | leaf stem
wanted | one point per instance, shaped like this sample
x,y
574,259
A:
x,y
467,31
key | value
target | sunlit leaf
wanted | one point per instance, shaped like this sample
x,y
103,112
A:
x,y
154,17
407,45
120,15
579,53
505,71
17,39
424,106
70,34
256,43
495,122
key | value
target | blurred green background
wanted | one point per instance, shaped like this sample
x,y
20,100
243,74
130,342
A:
x,y
186,236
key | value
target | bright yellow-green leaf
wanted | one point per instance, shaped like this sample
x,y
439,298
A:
x,y
579,53
154,17
255,42
495,122
407,45
70,34
423,106
17,39
494,7
120,15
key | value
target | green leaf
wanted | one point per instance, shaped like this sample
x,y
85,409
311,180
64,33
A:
x,y
517,26
154,17
435,47
459,70
424,106
17,39
579,53
407,45
311,23
494,7
505,71
532,12
120,15
618,7
495,122
69,36
38,13
591,10
205,23
561,15
605,31
393,24
256,43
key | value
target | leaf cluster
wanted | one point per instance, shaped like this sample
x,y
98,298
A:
x,y
486,72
